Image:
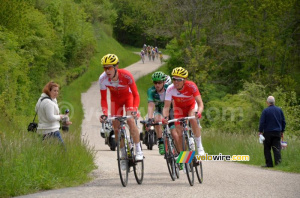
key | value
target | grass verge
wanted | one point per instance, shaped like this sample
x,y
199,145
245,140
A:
x,y
216,142
28,165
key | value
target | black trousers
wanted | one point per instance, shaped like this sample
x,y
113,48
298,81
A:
x,y
272,141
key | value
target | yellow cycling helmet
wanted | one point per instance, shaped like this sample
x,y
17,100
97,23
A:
x,y
110,59
180,72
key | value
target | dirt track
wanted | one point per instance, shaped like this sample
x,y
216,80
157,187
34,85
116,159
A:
x,y
221,179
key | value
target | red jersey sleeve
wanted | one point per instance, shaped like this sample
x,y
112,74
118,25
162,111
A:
x,y
194,89
133,88
104,105
135,93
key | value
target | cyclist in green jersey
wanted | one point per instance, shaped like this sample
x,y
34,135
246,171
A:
x,y
156,97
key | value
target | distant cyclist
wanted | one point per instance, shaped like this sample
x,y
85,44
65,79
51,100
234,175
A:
x,y
187,102
156,52
142,54
153,53
160,56
156,97
149,52
123,92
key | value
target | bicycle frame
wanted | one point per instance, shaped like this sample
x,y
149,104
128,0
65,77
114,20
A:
x,y
127,161
169,146
185,144
122,132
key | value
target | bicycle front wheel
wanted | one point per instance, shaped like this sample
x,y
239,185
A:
x,y
199,171
138,169
122,160
169,159
189,167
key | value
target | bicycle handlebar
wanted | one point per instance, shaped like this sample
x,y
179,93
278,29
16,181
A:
x,y
120,117
181,119
149,124
169,121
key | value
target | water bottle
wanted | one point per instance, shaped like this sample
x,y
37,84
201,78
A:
x,y
192,144
261,138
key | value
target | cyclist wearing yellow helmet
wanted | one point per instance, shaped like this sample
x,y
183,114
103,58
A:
x,y
187,102
123,92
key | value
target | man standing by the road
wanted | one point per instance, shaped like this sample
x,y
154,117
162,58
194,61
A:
x,y
272,125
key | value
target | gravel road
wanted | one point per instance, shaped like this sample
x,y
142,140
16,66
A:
x,y
221,179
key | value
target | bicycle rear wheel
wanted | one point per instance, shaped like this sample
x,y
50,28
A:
x,y
199,171
138,169
189,167
169,159
150,140
122,161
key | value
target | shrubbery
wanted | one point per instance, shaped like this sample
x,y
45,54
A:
x,y
40,40
240,113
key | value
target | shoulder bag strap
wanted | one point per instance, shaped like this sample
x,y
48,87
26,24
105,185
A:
x,y
40,105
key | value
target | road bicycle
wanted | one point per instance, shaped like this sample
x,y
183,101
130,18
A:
x,y
149,138
170,150
126,154
187,141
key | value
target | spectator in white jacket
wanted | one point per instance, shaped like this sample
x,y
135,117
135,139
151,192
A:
x,y
48,112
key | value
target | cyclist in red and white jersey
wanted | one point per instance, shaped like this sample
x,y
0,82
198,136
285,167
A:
x,y
187,102
123,92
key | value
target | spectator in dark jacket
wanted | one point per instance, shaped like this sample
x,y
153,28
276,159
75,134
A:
x,y
272,125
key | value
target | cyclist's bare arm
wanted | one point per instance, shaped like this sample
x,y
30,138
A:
x,y
199,103
166,108
151,107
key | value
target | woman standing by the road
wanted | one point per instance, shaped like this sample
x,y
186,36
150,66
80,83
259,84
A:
x,y
48,112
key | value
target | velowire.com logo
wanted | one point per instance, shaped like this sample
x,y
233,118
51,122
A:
x,y
187,157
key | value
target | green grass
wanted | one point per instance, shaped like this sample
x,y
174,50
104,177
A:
x,y
216,142
27,164
132,49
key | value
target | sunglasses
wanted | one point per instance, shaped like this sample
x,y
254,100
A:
x,y
158,82
178,79
108,68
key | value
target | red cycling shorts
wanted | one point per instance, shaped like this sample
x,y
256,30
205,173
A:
x,y
117,105
180,112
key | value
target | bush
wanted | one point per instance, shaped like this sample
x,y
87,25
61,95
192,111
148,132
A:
x,y
241,112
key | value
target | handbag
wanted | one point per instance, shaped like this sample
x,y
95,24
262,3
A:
x,y
32,127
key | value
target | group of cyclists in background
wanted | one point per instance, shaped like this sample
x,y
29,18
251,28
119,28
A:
x,y
151,52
